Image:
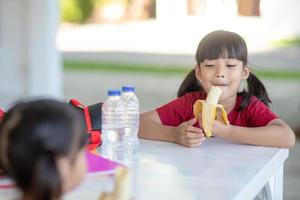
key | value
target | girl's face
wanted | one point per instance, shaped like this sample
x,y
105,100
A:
x,y
225,73
72,171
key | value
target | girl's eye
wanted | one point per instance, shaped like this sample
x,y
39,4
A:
x,y
231,65
207,65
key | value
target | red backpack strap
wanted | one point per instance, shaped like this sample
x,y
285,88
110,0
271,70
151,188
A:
x,y
1,114
86,112
95,135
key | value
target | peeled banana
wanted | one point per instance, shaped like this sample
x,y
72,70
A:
x,y
122,190
208,110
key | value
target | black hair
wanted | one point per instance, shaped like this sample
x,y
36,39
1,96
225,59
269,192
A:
x,y
227,45
33,135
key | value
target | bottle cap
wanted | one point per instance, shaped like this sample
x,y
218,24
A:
x,y
128,88
113,92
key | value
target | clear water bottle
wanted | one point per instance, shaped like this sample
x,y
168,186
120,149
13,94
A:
x,y
131,104
113,127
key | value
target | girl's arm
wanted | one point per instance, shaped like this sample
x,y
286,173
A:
x,y
276,134
185,134
152,128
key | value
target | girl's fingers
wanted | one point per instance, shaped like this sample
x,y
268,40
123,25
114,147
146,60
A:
x,y
219,116
194,129
195,141
195,145
191,121
192,135
200,121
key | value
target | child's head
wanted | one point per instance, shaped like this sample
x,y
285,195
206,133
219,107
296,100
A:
x,y
41,148
222,61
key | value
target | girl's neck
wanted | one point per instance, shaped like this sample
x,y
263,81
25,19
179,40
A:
x,y
229,103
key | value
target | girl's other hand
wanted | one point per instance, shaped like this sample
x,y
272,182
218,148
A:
x,y
219,128
188,135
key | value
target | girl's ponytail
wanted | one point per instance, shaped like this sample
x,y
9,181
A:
x,y
46,179
189,84
255,88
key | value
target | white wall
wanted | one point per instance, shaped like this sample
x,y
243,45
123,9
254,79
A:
x,y
170,9
29,62
282,16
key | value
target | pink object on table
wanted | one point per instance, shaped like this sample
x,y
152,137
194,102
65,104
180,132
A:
x,y
98,164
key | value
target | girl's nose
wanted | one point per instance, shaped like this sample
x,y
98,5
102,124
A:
x,y
220,71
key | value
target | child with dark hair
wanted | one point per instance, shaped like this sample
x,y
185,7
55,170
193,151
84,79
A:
x,y
42,148
222,61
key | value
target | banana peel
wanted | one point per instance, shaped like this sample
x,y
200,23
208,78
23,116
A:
x,y
208,110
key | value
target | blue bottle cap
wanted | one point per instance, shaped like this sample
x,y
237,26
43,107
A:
x,y
128,88
113,92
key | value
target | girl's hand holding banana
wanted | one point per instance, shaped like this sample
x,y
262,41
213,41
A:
x,y
220,129
188,135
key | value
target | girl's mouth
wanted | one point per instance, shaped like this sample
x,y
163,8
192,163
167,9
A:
x,y
220,85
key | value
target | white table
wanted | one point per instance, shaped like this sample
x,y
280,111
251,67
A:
x,y
218,169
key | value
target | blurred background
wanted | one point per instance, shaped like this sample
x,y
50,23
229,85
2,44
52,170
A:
x,y
81,48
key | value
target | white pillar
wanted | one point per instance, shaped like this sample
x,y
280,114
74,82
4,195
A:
x,y
29,62
170,9
12,50
44,66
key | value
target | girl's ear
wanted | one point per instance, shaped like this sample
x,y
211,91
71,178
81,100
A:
x,y
246,72
197,72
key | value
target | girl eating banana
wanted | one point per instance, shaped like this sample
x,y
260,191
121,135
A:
x,y
238,110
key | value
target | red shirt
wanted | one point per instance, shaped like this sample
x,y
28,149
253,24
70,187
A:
x,y
181,109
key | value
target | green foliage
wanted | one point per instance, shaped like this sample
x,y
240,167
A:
x,y
287,42
76,11
123,67
103,2
278,74
163,69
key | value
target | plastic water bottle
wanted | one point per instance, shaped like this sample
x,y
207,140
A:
x,y
113,127
132,114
